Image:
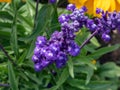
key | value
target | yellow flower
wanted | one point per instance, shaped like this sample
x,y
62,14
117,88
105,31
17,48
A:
x,y
94,62
8,1
107,5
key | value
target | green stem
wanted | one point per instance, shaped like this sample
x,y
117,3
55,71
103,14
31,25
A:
x,y
6,53
53,77
36,13
14,42
4,85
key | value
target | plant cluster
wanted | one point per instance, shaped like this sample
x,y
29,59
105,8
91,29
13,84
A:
x,y
62,43
44,47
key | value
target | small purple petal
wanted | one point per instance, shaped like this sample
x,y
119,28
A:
x,y
35,58
106,37
71,7
52,1
41,41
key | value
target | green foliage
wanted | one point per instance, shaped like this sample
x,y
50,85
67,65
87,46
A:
x,y
12,78
18,32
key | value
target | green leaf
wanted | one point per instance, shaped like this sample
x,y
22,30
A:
x,y
22,75
33,77
104,50
62,79
4,34
5,15
95,42
30,51
44,17
22,57
93,85
14,42
87,70
83,60
71,68
12,78
90,73
80,84
110,69
54,22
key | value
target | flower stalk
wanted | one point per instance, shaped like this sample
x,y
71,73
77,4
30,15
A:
x,y
6,53
4,85
87,40
36,13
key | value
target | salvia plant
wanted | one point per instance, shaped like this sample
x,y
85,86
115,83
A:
x,y
44,47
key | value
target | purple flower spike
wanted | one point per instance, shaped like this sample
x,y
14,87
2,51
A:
x,y
61,61
106,37
37,50
38,67
74,49
98,10
84,8
41,41
63,18
35,58
62,43
45,63
43,51
50,55
54,48
71,7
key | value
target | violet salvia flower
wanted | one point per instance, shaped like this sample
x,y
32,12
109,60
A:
x,y
84,8
71,7
52,1
41,41
63,18
106,37
73,49
98,10
61,59
62,43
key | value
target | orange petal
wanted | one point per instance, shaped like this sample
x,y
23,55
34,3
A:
x,y
118,1
5,1
113,5
89,5
76,2
117,6
97,4
82,1
71,1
